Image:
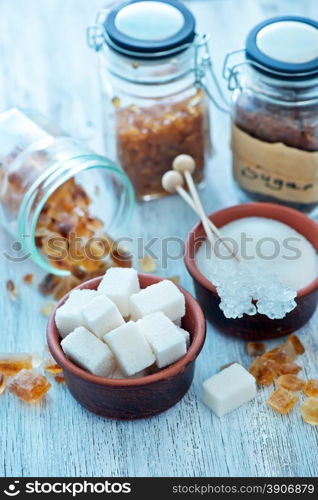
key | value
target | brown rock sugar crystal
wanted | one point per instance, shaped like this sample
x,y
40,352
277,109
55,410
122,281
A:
x,y
11,364
29,386
264,370
282,401
311,388
291,382
309,411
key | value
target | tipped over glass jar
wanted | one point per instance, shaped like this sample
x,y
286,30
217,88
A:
x,y
152,67
61,201
275,112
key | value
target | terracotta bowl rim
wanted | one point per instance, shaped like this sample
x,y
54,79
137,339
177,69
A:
x,y
194,350
203,281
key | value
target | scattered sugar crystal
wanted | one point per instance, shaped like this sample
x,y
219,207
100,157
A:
x,y
51,367
60,379
291,382
255,348
284,353
264,370
3,383
12,290
292,368
29,386
282,401
28,278
299,348
311,388
309,411
11,364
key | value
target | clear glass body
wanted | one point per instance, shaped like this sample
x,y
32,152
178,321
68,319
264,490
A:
x,y
283,114
50,184
153,111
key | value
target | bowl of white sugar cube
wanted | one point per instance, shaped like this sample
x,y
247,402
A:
x,y
127,343
267,286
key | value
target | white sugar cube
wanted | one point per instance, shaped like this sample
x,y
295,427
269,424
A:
x,y
101,316
69,315
130,348
87,351
164,296
165,339
229,389
118,285
186,335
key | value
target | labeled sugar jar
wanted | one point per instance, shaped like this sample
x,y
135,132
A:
x,y
275,112
61,201
152,67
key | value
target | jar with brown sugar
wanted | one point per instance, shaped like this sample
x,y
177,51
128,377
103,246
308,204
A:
x,y
275,112
62,203
152,66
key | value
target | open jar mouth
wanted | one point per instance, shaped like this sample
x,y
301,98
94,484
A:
x,y
53,178
269,210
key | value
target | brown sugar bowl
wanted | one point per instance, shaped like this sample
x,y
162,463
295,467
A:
x,y
258,327
128,399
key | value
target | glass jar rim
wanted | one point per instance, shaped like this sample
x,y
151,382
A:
x,y
56,176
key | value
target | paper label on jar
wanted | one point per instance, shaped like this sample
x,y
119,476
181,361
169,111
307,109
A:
x,y
273,169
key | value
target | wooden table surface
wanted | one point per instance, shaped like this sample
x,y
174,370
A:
x,y
45,64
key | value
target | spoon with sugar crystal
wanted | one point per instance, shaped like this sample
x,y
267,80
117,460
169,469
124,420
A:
x,y
243,288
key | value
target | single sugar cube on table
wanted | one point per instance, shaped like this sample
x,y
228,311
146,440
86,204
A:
x,y
164,337
164,297
101,316
87,351
229,389
130,348
69,315
118,285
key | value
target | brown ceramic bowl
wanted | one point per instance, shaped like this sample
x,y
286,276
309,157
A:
x,y
143,397
259,326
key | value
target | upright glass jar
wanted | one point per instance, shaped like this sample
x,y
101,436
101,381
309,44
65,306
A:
x,y
152,69
58,198
275,112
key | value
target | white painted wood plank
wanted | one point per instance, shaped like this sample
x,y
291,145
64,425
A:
x,y
45,64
